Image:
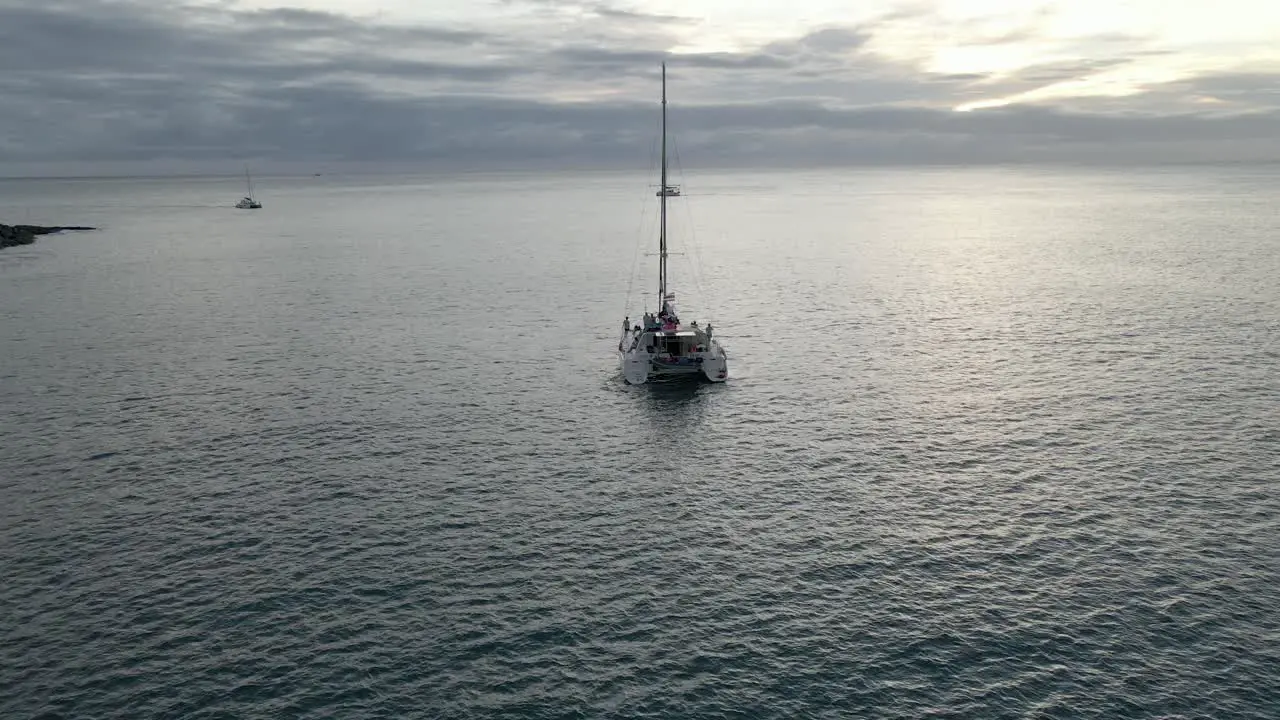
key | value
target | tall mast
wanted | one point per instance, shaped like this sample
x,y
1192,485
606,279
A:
x,y
662,196
248,184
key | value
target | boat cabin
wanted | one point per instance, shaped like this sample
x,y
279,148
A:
x,y
675,343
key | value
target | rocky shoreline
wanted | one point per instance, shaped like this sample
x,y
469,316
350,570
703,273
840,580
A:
x,y
12,235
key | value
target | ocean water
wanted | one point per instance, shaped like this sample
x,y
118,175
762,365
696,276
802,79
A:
x,y
997,443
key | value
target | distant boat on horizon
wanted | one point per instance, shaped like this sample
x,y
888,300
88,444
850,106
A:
x,y
247,202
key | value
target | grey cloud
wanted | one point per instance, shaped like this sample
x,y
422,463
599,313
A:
x,y
603,9
348,122
824,41
274,25
645,60
1049,73
411,69
1255,86
615,13
95,82
1223,98
134,37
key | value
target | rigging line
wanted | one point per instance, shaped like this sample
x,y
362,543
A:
x,y
640,231
693,270
693,242
635,260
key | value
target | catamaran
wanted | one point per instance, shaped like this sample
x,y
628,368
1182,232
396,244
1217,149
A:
x,y
247,202
662,346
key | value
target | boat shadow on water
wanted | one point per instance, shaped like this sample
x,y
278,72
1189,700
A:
x,y
678,389
673,408
669,408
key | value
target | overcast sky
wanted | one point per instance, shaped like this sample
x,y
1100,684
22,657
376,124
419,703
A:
x,y
98,85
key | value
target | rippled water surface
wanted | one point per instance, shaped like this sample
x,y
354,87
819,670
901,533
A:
x,y
997,443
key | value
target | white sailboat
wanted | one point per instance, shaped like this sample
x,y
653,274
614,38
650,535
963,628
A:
x,y
247,202
662,346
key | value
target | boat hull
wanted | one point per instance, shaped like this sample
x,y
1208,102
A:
x,y
635,368
677,352
641,368
716,369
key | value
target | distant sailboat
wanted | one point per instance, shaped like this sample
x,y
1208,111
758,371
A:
x,y
663,346
247,202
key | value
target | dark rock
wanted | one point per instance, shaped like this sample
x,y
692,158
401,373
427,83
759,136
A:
x,y
11,235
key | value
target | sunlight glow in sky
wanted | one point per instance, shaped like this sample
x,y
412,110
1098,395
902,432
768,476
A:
x,y
937,36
